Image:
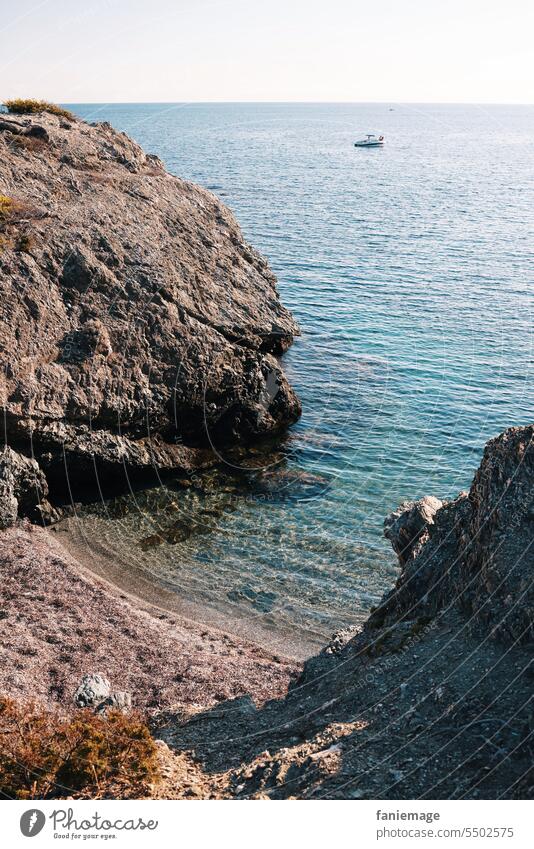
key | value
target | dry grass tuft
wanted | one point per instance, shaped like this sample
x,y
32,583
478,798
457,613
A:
x,y
47,756
25,243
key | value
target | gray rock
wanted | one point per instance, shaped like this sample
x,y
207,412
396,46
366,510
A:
x,y
119,700
92,691
476,550
8,503
340,639
407,525
10,127
497,551
37,132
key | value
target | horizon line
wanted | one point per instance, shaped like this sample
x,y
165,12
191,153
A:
x,y
296,102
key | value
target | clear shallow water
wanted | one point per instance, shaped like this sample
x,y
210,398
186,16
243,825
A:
x,y
409,270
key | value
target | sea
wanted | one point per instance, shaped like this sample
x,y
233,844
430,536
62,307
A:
x,y
409,269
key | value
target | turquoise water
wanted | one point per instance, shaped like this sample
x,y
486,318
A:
x,y
409,269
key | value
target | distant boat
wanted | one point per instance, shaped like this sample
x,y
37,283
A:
x,y
370,141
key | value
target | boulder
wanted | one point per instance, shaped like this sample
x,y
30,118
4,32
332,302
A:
x,y
92,691
36,131
119,700
406,527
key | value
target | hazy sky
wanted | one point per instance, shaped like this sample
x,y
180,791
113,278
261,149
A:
x,y
191,50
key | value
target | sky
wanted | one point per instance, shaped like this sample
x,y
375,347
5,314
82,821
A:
x,y
104,51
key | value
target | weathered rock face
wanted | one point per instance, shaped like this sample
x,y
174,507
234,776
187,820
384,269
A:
x,y
407,527
477,551
23,489
498,546
395,709
131,306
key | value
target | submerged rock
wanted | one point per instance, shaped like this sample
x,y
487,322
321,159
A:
x,y
138,328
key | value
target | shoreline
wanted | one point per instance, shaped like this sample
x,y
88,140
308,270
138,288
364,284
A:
x,y
60,621
146,591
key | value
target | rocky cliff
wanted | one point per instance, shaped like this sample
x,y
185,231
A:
x,y
137,327
476,552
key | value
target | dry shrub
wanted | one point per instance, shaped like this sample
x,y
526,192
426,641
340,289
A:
x,y
13,211
25,243
21,106
44,755
34,145
6,207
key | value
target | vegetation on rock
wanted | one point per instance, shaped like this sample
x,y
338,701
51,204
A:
x,y
45,755
6,206
22,106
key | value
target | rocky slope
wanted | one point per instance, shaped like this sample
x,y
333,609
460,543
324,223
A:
x,y
137,327
139,330
58,622
433,697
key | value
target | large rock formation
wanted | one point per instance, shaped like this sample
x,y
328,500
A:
x,y
476,551
137,326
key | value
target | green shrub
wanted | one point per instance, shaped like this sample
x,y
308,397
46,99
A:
x,y
25,107
44,755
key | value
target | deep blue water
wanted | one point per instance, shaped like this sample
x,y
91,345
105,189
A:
x,y
409,269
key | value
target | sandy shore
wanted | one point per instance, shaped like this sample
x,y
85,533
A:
x,y
58,622
121,568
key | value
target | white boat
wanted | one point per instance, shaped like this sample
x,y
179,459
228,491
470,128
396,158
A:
x,y
370,140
